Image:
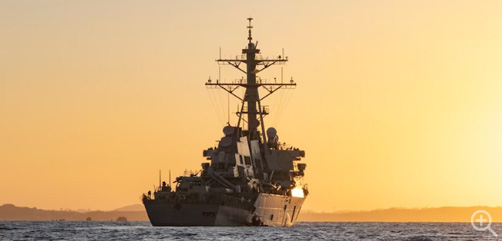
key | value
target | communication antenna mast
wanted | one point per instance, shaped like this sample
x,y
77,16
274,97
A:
x,y
251,102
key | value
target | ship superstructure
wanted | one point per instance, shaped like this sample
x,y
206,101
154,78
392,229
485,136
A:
x,y
250,177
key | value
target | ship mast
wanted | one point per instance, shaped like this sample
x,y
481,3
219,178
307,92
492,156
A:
x,y
254,64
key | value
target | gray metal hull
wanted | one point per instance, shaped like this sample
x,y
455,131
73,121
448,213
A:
x,y
270,209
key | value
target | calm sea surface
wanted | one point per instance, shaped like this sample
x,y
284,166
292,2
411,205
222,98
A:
x,y
301,231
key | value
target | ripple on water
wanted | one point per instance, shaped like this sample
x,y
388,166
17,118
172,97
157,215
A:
x,y
301,231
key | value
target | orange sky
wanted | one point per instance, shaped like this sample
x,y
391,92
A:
x,y
398,102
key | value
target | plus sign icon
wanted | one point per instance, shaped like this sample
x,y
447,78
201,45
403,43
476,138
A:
x,y
482,221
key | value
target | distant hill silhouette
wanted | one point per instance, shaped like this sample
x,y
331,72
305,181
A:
x,y
9,212
442,214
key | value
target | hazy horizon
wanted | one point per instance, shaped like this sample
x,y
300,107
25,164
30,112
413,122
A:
x,y
397,104
303,211
137,213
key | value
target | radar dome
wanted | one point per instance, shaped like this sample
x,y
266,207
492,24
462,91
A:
x,y
271,132
228,130
226,141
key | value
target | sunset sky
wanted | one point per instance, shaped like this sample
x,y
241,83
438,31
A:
x,y
398,104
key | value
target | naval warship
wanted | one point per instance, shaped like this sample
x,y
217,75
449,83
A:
x,y
250,178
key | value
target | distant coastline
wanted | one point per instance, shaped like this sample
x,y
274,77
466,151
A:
x,y
10,212
440,214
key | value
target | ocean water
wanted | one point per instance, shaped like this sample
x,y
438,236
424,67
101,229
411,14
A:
x,y
300,231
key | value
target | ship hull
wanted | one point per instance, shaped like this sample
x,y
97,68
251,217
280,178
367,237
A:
x,y
268,210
